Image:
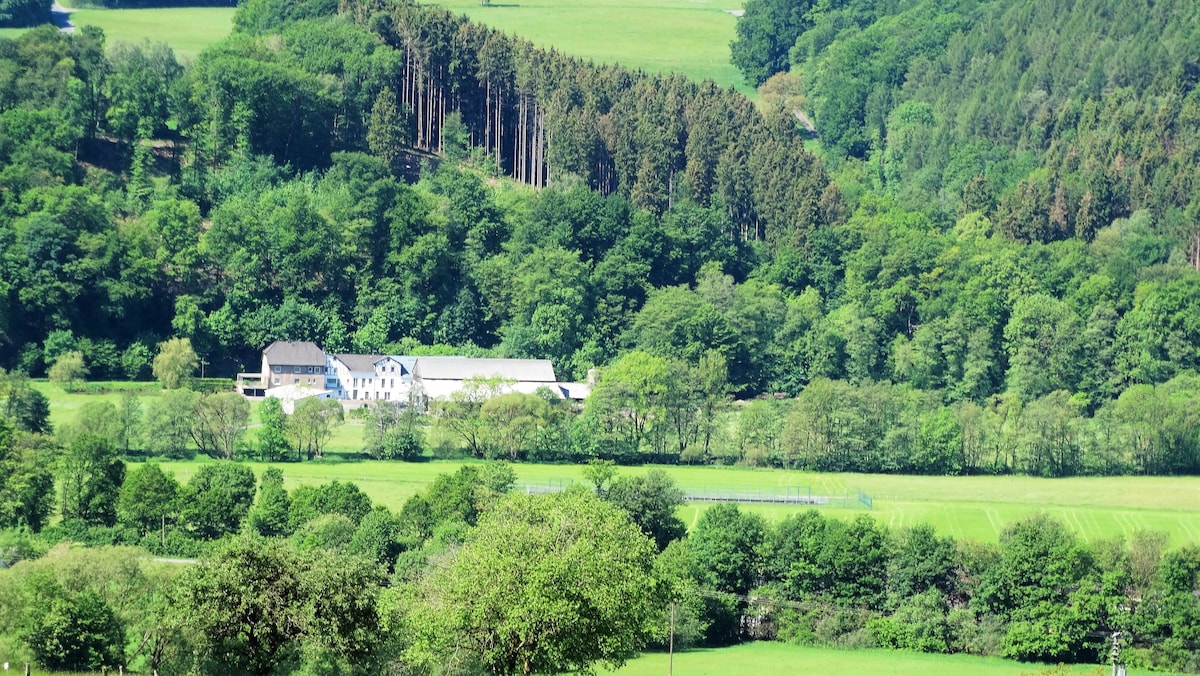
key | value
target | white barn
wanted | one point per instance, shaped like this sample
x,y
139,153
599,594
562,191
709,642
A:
x,y
441,377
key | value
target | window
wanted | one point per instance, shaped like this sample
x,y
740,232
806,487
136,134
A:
x,y
393,382
278,369
276,381
391,369
295,369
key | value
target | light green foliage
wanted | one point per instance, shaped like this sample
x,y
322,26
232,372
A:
x,y
571,585
271,437
171,418
462,414
516,421
68,371
310,426
129,421
599,473
219,423
393,432
627,403
175,362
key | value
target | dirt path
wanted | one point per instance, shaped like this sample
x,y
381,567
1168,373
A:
x,y
61,16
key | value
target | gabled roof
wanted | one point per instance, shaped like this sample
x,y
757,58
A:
x,y
295,353
461,368
409,363
358,363
577,391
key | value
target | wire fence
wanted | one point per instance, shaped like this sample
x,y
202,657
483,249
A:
x,y
788,495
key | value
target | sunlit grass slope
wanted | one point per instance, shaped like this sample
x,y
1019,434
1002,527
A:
x,y
686,36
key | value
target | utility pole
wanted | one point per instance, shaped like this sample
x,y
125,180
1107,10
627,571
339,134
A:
x,y
671,644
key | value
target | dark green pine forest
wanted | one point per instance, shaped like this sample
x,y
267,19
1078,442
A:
x,y
984,256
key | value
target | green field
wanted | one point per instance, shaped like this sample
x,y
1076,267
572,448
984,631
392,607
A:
x,y
966,507
754,659
188,30
686,36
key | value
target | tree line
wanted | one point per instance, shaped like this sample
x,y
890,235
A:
x,y
197,216
327,581
645,409
1048,116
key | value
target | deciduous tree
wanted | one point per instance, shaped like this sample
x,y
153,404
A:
x,y
175,362
570,584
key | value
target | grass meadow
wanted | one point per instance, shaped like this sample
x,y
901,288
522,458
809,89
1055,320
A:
x,y
188,30
976,508
753,659
686,36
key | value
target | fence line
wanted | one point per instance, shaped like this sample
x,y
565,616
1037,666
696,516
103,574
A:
x,y
791,495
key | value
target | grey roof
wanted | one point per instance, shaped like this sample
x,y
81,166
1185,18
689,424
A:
x,y
294,353
359,363
461,368
409,363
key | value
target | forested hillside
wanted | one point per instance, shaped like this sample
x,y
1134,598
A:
x,y
991,267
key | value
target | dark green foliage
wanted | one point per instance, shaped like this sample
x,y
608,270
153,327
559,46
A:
x,y
91,475
309,502
651,500
216,500
725,558
269,516
293,607
26,483
24,407
18,13
377,537
1001,258
148,499
74,631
